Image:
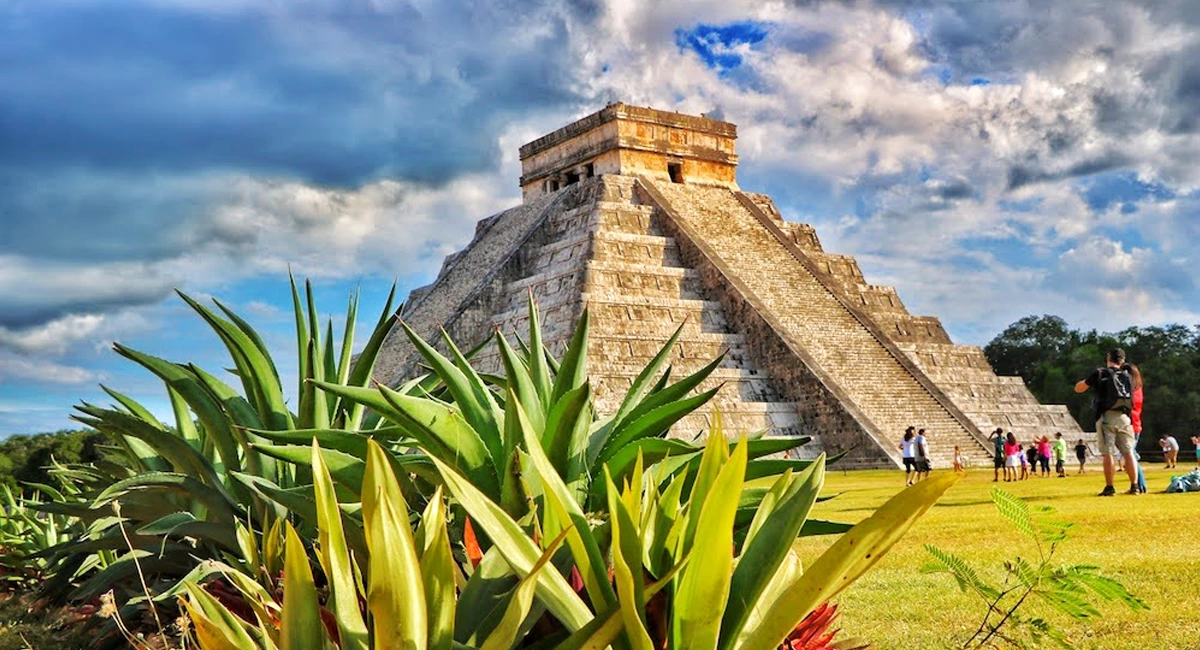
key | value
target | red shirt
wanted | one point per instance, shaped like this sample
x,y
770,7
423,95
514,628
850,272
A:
x,y
1010,449
1136,414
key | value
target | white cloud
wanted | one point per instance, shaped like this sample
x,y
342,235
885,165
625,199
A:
x,y
57,337
19,368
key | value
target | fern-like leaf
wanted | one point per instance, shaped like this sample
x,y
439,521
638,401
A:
x,y
1024,572
1068,602
966,576
1086,577
1015,511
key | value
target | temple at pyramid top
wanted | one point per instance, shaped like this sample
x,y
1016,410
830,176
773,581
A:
x,y
635,215
631,140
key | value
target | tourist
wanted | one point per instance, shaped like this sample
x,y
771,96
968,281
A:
x,y
1044,456
923,465
1114,430
1081,453
997,439
1060,455
1024,459
1012,457
1135,418
1031,458
906,450
1170,447
1196,443
959,462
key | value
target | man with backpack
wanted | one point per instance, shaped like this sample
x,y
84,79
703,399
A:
x,y
1114,430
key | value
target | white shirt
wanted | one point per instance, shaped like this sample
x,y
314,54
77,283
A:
x,y
919,444
1170,443
907,446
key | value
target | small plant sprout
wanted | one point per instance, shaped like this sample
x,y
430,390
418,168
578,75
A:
x,y
1066,589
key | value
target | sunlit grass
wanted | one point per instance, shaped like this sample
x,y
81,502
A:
x,y
1148,542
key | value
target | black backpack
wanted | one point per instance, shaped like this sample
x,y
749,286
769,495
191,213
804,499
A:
x,y
1116,390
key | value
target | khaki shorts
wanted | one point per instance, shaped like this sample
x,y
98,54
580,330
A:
x,y
1114,433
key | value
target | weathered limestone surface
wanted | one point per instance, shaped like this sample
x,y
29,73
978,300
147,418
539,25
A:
x,y
960,371
877,387
635,215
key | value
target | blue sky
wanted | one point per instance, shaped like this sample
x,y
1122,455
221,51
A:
x,y
990,160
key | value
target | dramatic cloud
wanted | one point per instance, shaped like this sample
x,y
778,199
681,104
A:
x,y
1041,154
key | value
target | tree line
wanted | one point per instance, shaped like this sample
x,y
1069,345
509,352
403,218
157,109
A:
x,y
1051,356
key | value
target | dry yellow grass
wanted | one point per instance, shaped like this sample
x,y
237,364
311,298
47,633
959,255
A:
x,y
1148,542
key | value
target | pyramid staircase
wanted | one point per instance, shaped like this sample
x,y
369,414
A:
x,y
614,256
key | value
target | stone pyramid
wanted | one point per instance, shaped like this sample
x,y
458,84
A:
x,y
636,214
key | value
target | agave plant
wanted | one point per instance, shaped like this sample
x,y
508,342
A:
x,y
470,423
199,487
407,580
26,532
739,596
662,571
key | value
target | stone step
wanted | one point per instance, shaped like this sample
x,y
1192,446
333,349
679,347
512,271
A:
x,y
689,352
736,423
559,284
808,313
943,374
628,218
637,249
558,255
650,316
1000,399
617,280
1019,420
656,317
933,355
611,400
736,384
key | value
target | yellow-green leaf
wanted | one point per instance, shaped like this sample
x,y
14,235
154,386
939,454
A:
x,y
437,571
505,633
627,568
395,590
335,559
300,626
704,586
562,505
216,627
849,557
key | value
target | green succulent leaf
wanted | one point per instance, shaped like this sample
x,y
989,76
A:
x,y
518,550
847,559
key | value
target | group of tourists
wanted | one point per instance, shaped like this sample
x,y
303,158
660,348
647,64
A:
x,y
1119,398
1021,462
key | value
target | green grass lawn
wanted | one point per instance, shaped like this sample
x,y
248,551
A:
x,y
1148,542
